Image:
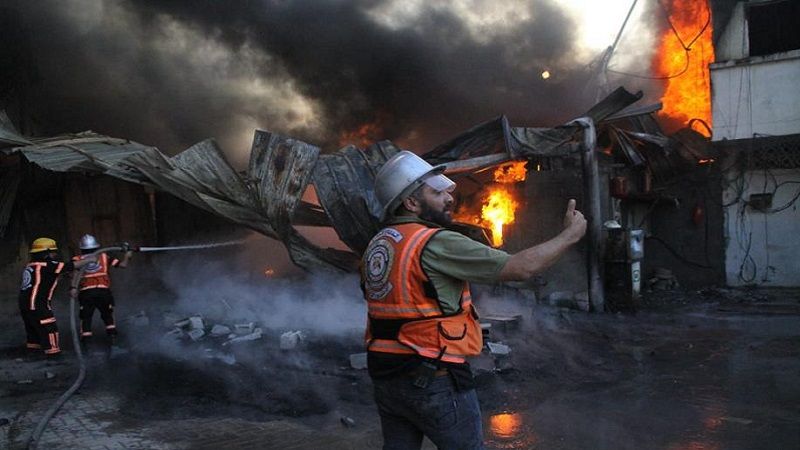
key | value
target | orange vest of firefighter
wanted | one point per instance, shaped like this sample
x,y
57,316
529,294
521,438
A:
x,y
96,273
402,318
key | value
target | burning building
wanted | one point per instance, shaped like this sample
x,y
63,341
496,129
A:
x,y
656,171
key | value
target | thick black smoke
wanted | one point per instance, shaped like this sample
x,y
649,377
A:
x,y
170,73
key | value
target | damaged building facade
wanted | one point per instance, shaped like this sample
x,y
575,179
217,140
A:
x,y
756,107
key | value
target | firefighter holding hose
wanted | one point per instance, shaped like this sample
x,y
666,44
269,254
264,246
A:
x,y
422,326
94,290
39,280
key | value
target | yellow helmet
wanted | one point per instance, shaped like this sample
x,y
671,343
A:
x,y
43,244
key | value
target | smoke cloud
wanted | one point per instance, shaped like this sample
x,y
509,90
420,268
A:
x,y
170,73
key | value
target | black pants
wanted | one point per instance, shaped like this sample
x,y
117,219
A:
x,y
40,329
101,300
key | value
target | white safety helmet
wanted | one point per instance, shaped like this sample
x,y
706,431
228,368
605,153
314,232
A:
x,y
401,175
88,242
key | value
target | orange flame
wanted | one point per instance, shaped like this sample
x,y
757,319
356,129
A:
x,y
505,425
498,204
269,272
510,173
497,211
365,134
688,93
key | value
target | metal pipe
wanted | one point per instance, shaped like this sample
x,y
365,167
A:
x,y
187,247
591,185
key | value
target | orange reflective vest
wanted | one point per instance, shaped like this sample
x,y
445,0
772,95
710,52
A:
x,y
96,273
404,315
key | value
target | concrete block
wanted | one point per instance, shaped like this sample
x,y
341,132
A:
x,y
256,334
196,334
358,361
291,339
242,329
196,323
220,330
498,349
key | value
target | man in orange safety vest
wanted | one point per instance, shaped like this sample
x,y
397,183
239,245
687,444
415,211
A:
x,y
422,325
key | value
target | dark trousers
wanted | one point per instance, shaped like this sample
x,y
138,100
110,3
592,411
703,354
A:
x,y
41,330
451,419
99,299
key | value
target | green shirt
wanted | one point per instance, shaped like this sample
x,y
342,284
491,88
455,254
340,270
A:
x,y
450,258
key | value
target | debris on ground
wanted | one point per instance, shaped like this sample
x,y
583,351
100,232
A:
x,y
220,330
497,348
663,280
256,334
358,361
244,328
348,421
290,339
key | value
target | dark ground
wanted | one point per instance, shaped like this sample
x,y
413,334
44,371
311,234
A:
x,y
700,370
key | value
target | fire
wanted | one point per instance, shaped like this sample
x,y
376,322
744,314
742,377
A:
x,y
510,173
683,60
269,272
498,204
365,134
497,211
505,425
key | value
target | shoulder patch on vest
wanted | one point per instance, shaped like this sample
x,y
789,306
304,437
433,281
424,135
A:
x,y
380,257
26,279
391,233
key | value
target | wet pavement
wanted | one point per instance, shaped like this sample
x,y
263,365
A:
x,y
716,369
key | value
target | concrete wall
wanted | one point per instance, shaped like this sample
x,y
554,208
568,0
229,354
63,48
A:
x,y
763,247
756,96
691,246
752,97
733,42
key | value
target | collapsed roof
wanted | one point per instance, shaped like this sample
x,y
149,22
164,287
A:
x,y
267,197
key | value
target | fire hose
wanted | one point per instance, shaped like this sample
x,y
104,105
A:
x,y
73,293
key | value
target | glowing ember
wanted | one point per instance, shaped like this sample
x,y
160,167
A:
x,y
505,425
269,272
545,74
688,93
705,161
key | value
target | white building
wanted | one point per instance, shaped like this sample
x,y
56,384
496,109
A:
x,y
755,82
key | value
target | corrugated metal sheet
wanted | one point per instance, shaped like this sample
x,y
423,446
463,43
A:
x,y
345,186
268,198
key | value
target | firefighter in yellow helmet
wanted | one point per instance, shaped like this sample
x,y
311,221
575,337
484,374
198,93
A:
x,y
95,287
39,280
422,327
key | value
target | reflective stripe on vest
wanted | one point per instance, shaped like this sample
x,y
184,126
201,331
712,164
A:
x,y
394,286
96,274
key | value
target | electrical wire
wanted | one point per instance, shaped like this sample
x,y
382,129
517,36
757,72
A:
x,y
686,48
